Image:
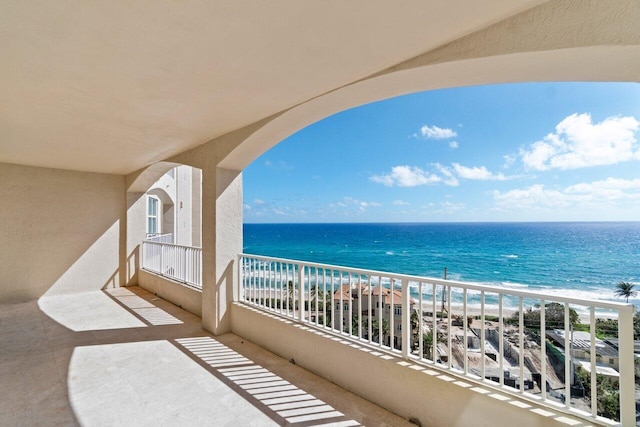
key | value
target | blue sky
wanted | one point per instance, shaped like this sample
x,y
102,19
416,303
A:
x,y
516,152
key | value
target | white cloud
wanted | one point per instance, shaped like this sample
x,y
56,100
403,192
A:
x,y
509,160
449,178
453,144
434,132
579,143
585,195
531,197
280,166
608,189
400,203
476,173
405,176
259,201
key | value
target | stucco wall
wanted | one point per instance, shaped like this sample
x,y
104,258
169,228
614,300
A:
x,y
60,231
183,296
410,390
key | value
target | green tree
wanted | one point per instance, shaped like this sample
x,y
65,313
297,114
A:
x,y
607,392
625,290
553,313
427,343
375,330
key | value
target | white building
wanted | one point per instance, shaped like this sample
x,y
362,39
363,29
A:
x,y
174,207
385,305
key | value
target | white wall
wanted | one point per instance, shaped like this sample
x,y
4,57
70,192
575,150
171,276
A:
x,y
59,231
183,296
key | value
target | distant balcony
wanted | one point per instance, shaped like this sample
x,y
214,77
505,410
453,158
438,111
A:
x,y
160,238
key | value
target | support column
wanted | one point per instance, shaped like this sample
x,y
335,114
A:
x,y
221,243
132,234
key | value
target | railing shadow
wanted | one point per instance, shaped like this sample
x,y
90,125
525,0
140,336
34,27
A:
x,y
228,358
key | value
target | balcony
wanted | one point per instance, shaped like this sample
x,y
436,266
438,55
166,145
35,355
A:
x,y
323,316
126,357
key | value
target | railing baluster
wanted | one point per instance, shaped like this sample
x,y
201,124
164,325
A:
x,y
592,351
465,327
521,349
324,297
406,319
567,357
380,309
501,339
317,295
482,338
627,368
434,326
420,322
543,350
300,289
350,302
359,306
392,308
450,355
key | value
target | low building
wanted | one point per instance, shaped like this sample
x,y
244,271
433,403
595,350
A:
x,y
382,300
606,354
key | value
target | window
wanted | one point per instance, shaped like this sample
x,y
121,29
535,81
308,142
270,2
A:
x,y
153,217
399,327
345,307
397,310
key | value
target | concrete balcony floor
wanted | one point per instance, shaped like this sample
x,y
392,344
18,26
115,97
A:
x,y
126,357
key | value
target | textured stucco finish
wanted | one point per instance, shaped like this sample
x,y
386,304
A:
x,y
559,40
221,243
183,296
120,85
60,231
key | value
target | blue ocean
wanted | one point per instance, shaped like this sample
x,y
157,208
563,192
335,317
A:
x,y
582,260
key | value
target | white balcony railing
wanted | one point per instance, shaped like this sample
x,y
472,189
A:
x,y
160,238
497,336
177,262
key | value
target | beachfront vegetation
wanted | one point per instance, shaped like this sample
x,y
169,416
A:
x,y
625,290
427,343
608,393
553,316
375,330
608,328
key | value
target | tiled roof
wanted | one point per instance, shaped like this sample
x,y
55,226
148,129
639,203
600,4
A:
x,y
351,291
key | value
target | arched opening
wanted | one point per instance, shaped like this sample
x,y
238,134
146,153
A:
x,y
567,170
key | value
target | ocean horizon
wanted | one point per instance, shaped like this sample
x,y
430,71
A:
x,y
577,259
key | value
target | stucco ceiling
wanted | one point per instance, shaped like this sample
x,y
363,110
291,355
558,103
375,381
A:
x,y
114,86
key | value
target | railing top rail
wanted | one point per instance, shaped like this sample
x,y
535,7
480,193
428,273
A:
x,y
149,242
611,305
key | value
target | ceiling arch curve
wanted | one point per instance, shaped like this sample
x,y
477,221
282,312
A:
x,y
590,63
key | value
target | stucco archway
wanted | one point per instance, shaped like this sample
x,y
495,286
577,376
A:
x,y
596,63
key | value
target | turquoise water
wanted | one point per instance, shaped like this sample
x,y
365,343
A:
x,y
582,260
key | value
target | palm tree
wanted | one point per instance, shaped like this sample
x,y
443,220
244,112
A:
x,y
427,343
625,290
375,326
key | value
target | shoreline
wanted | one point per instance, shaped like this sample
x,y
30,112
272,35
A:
x,y
507,312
